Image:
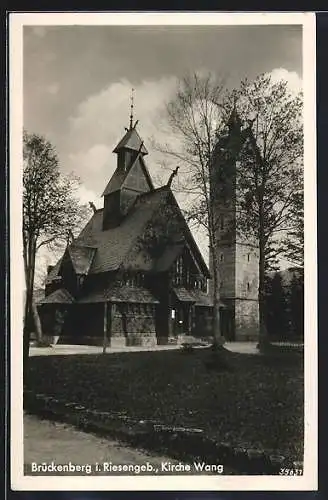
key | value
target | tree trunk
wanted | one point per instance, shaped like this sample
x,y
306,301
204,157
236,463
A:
x,y
37,322
216,323
263,333
29,268
26,328
26,337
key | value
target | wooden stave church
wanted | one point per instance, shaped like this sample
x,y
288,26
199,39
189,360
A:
x,y
134,275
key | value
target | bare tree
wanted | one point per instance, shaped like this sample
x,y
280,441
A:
x,y
195,117
50,210
268,149
292,247
270,169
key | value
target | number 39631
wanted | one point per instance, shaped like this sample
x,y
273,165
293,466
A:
x,y
291,472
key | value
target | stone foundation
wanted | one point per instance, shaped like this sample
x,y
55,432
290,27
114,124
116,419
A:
x,y
132,340
246,320
136,324
118,341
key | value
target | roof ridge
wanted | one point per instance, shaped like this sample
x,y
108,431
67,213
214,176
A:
x,y
123,143
155,190
81,245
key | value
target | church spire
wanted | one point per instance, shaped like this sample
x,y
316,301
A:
x,y
131,108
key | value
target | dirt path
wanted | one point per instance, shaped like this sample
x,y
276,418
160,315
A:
x,y
48,442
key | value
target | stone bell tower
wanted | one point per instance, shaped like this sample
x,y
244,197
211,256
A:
x,y
237,256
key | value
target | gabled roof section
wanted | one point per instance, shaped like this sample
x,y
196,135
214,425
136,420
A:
x,y
54,273
139,162
119,177
198,297
115,182
193,247
170,254
120,294
61,296
114,244
131,140
123,247
81,257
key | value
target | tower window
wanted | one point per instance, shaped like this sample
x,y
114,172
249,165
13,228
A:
x,y
248,287
221,257
221,223
248,257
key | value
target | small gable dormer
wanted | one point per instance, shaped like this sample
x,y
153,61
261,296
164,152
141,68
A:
x,y
130,179
75,265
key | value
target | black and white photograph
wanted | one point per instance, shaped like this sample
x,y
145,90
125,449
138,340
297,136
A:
x,y
163,251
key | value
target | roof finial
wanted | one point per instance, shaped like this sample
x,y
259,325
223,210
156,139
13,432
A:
x,y
131,107
174,173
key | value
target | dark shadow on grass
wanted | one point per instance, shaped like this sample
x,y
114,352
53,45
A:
x,y
239,404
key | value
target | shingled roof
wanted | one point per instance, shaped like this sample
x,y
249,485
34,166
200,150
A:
x,y
131,140
60,296
114,244
81,257
118,178
170,254
197,297
120,294
96,250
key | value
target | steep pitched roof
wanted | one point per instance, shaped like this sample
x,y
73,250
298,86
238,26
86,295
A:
x,y
119,246
184,295
54,273
120,294
60,296
81,257
165,261
114,244
131,140
198,297
191,240
117,180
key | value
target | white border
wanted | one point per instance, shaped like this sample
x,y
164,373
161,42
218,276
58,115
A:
x,y
196,483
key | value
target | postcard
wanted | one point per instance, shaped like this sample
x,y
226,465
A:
x,y
163,251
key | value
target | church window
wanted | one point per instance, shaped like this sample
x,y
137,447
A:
x,y
179,271
248,287
221,257
248,257
221,223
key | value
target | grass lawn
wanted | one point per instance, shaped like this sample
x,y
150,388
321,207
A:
x,y
257,404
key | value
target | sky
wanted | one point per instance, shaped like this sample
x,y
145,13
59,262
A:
x,y
77,83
